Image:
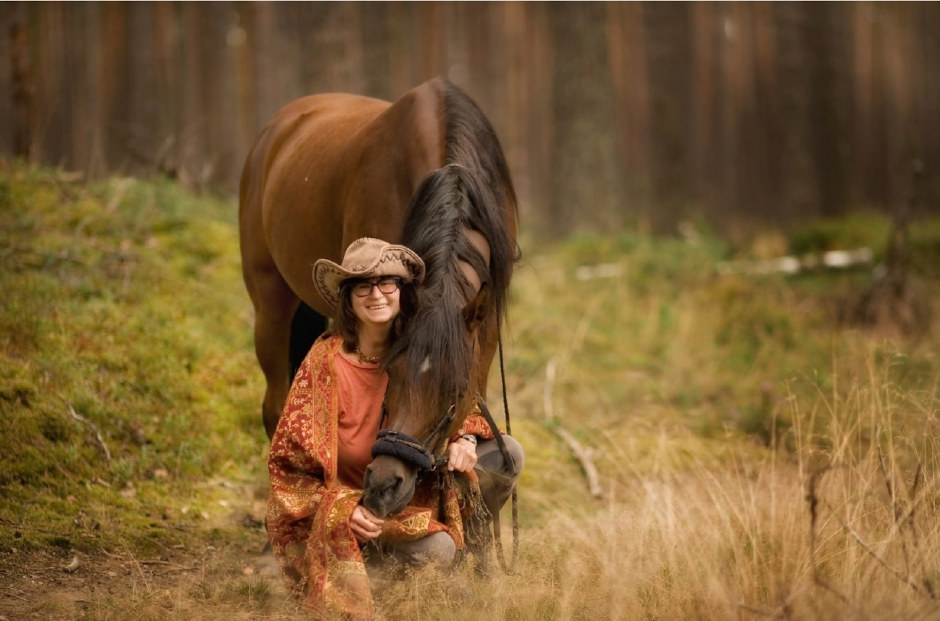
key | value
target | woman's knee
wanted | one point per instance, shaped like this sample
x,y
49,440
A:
x,y
517,453
441,549
436,548
490,457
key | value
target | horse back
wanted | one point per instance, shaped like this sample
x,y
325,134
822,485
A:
x,y
326,170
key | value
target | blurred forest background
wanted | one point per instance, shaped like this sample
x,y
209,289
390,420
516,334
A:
x,y
612,115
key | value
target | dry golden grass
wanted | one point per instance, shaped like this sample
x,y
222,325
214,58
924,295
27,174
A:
x,y
848,531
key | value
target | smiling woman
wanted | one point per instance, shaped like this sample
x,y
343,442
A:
x,y
322,534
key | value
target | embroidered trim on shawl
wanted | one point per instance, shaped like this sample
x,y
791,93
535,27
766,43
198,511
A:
x,y
309,508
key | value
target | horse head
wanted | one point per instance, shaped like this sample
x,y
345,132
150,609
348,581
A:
x,y
438,367
423,407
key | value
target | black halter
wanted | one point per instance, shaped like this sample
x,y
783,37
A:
x,y
419,454
410,449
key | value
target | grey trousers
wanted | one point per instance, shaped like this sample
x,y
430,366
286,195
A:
x,y
497,479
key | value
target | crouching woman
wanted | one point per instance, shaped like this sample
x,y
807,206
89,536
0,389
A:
x,y
321,534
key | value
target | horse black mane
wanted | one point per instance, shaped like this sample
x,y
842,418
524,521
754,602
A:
x,y
472,191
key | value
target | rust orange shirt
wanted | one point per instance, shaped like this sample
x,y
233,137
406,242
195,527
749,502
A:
x,y
361,393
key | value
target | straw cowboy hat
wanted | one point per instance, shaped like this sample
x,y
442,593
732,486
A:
x,y
366,257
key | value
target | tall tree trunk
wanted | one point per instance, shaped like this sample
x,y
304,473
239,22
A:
x,y
626,44
23,92
585,179
668,63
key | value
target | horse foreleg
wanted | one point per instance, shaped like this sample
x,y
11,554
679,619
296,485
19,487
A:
x,y
275,305
272,346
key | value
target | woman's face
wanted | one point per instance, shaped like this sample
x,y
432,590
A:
x,y
376,300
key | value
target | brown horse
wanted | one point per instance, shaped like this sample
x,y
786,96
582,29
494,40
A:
x,y
426,171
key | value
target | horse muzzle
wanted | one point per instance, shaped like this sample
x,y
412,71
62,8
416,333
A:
x,y
389,485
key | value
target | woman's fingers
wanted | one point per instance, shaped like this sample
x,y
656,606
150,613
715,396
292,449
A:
x,y
461,456
364,524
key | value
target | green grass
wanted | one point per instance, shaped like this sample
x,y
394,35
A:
x,y
667,338
123,320
130,398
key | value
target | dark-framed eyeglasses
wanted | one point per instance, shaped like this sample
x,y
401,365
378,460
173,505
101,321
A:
x,y
388,284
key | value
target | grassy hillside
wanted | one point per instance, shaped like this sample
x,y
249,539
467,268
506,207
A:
x,y
126,370
760,450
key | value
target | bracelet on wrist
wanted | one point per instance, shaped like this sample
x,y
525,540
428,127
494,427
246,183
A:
x,y
469,438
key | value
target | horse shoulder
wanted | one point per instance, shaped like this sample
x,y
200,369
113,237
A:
x,y
305,191
390,157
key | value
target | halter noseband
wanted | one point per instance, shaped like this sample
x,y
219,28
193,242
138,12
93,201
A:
x,y
410,449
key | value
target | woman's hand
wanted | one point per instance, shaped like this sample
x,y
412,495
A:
x,y
364,524
461,455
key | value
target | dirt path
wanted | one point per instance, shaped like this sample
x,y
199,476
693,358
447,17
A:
x,y
203,584
47,585
220,572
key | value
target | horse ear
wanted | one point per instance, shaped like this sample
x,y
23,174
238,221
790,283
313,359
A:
x,y
475,311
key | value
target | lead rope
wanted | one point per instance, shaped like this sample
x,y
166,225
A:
x,y
515,499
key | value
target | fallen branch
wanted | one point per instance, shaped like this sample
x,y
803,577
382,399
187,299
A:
x,y
82,419
584,457
580,453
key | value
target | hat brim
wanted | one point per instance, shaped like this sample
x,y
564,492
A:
x,y
392,260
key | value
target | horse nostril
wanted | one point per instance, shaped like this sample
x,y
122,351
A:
x,y
367,476
393,484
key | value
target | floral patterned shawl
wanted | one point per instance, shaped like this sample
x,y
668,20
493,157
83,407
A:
x,y
309,508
